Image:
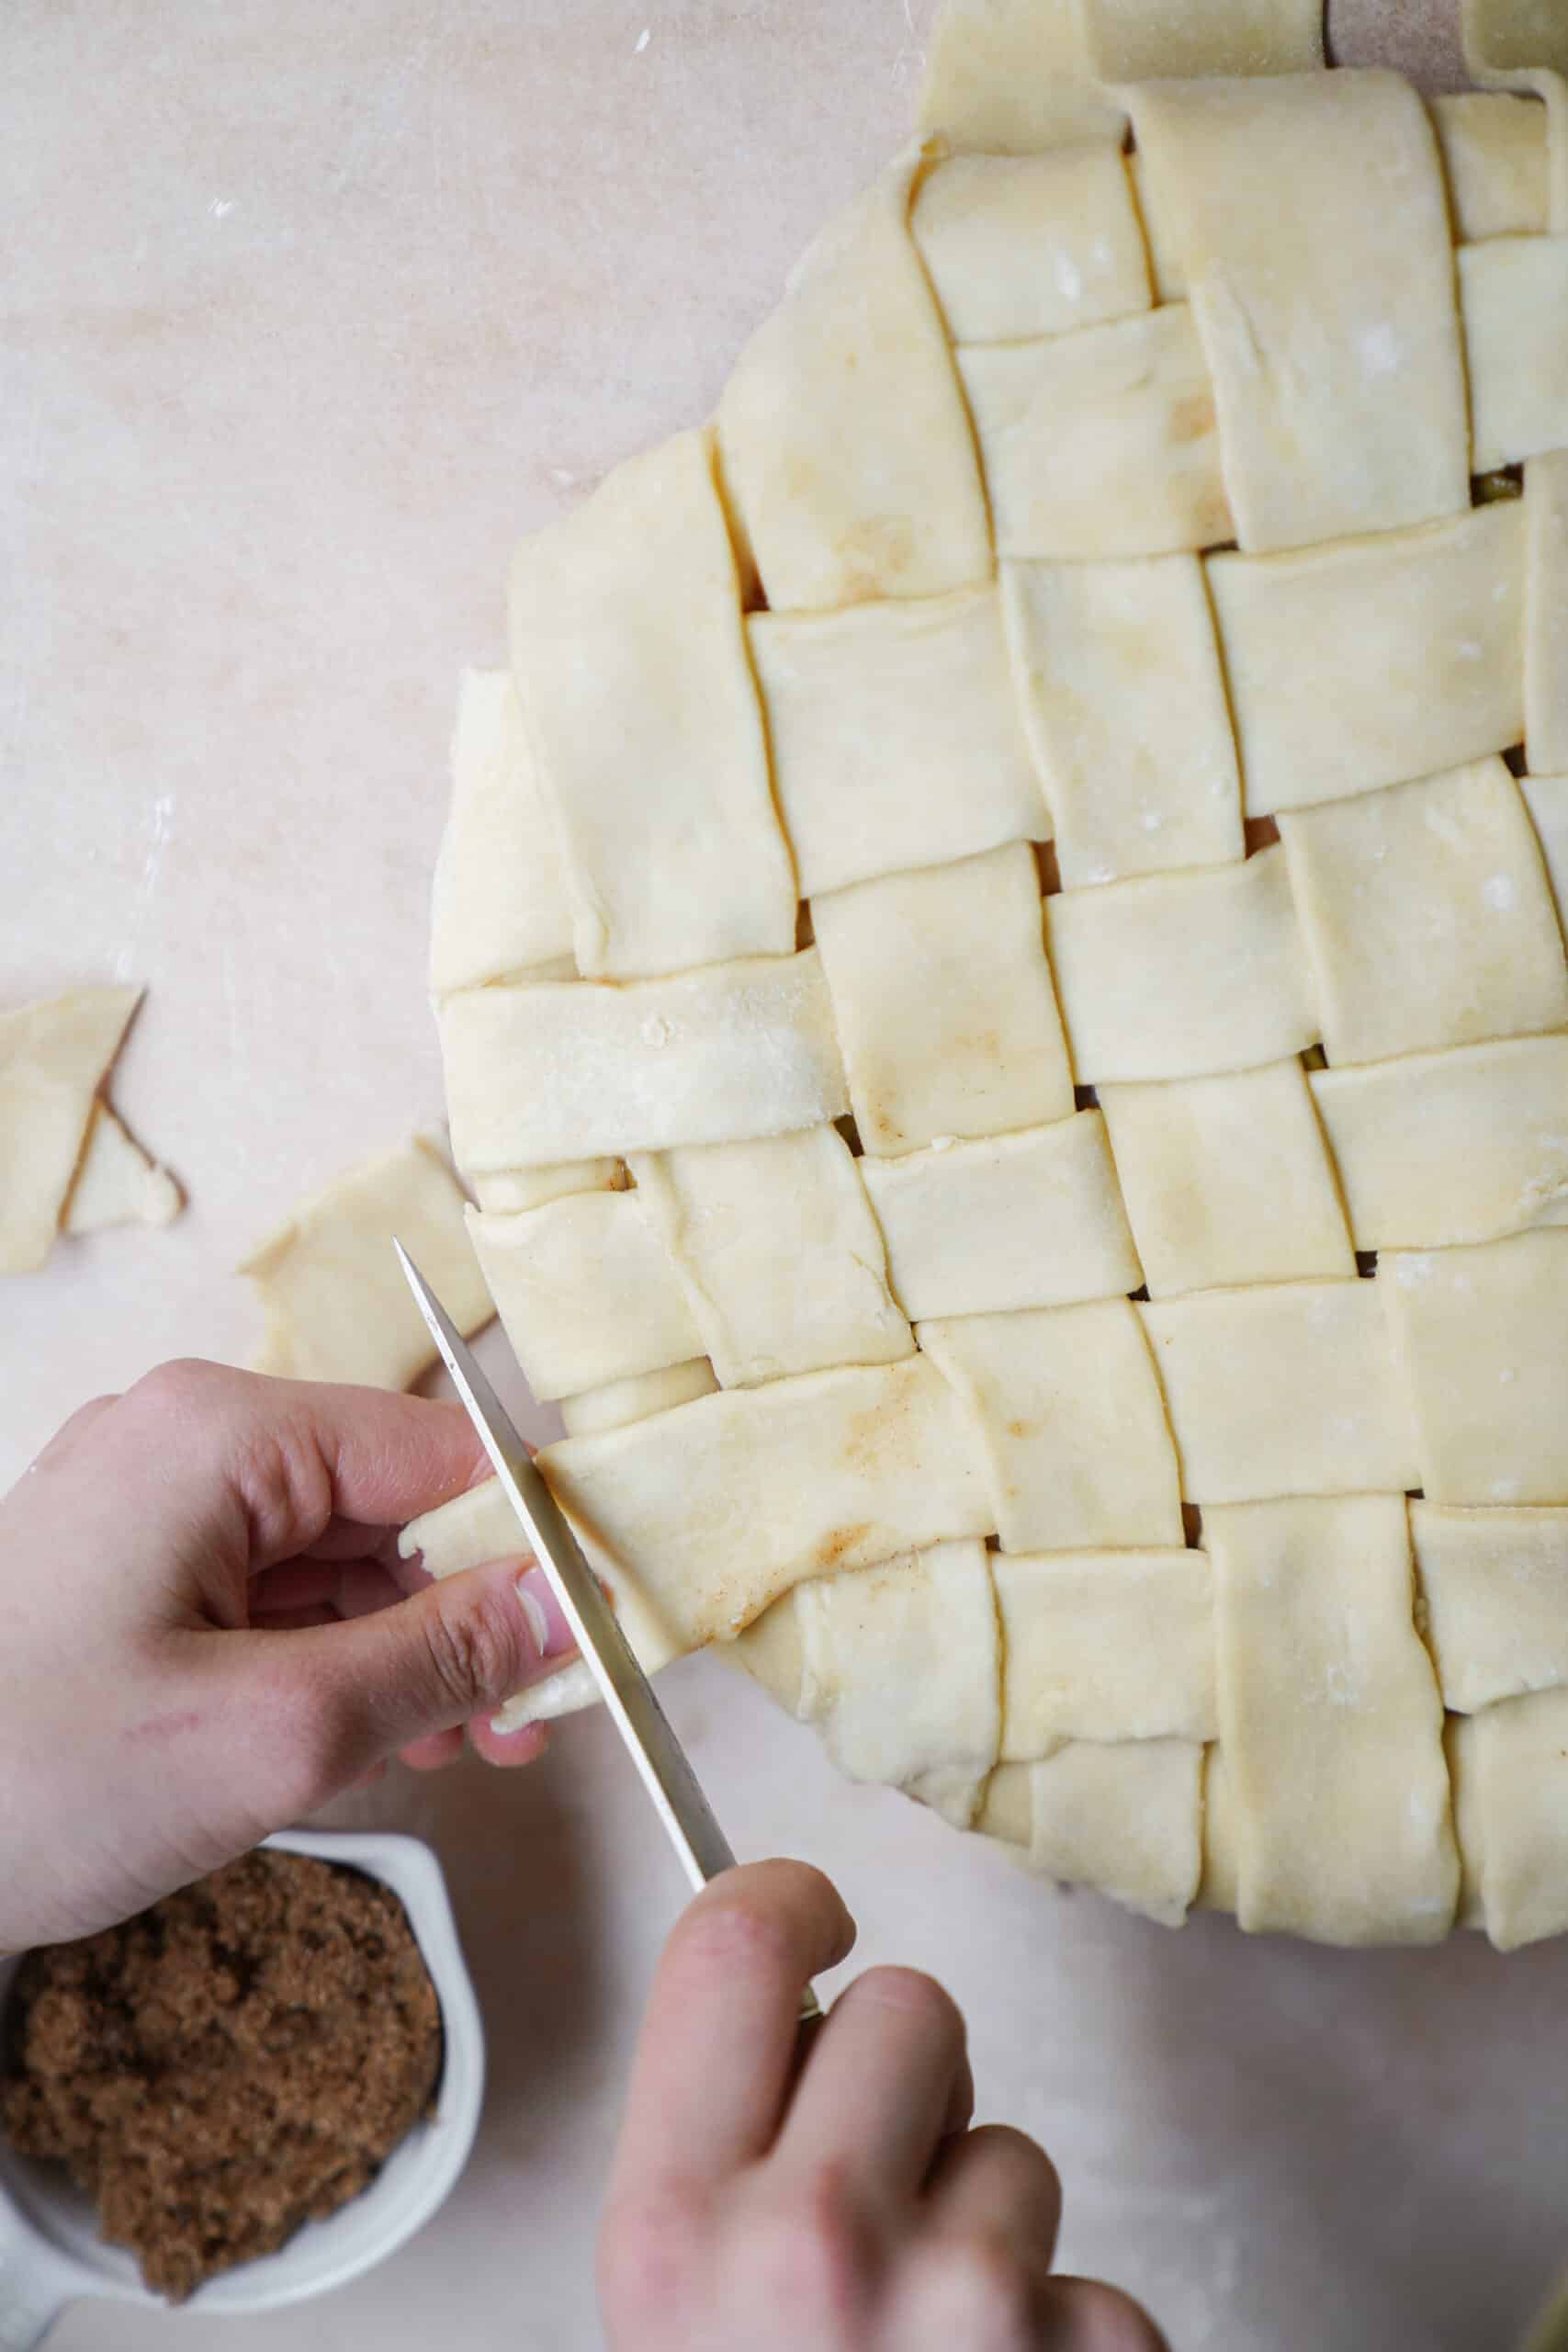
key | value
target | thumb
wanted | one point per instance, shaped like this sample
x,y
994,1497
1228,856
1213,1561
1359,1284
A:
x,y
457,1649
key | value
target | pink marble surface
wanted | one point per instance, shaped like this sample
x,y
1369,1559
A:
x,y
309,310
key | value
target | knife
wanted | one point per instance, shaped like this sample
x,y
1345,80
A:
x,y
688,1818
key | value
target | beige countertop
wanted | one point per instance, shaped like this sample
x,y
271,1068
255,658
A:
x,y
311,310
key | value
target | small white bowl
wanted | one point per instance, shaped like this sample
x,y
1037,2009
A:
x,y
50,2249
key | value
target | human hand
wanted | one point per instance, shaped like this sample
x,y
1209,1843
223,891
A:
x,y
758,2204
196,1640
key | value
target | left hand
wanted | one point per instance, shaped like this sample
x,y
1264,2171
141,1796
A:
x,y
205,1632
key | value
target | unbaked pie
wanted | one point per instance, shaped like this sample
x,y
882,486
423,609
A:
x,y
999,960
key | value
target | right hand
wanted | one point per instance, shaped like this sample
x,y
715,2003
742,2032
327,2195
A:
x,y
843,2204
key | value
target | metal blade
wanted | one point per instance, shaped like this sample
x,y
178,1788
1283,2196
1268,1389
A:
x,y
641,1720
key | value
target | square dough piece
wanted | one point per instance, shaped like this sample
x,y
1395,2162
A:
x,y
1495,1586
1129,41
1181,974
1427,915
1227,1180
1311,217
846,451
1373,660
1331,1724
1494,151
1482,1335
1514,300
499,902
630,658
54,1055
1511,1761
896,736
569,1069
1507,39
901,1671
1104,1645
336,1304
1119,678
584,1292
1125,1817
942,996
1025,245
1546,613
778,1254
1067,1408
1031,1219
1452,1147
1013,78
117,1182
725,1503
1288,1388
1099,442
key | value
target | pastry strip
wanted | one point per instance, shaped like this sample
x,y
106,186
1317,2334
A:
x,y
1030,1220
845,447
896,736
1310,215
1331,1724
777,1253
1371,660
1442,1147
945,1010
585,1292
629,654
1104,1645
1227,1180
542,1073
723,1504
1288,1388
1119,684
1067,1412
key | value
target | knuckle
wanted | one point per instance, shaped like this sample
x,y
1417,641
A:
x,y
476,1646
178,1384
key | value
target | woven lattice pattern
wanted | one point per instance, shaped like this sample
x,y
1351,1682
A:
x,y
999,956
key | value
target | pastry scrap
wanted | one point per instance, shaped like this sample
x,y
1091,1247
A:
x,y
66,1159
117,1182
336,1304
1077,1307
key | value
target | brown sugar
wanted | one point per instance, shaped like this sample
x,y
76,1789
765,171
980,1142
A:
x,y
238,2059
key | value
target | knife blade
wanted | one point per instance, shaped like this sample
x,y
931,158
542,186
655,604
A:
x,y
644,1728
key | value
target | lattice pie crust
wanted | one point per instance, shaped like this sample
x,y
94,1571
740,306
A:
x,y
998,953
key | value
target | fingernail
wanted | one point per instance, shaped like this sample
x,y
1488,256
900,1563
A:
x,y
546,1619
